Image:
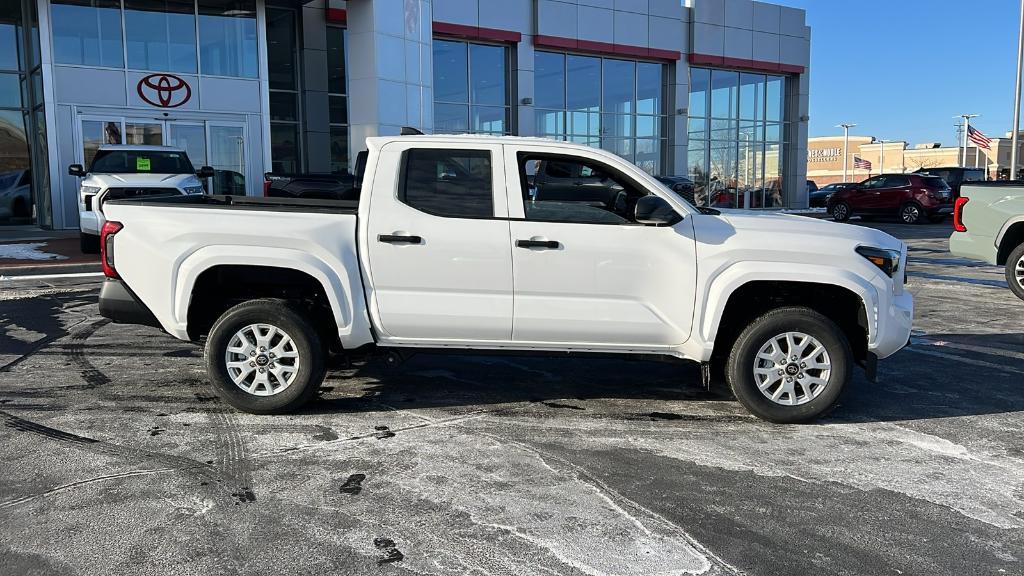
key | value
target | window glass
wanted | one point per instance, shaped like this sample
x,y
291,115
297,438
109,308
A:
x,y
451,68
723,93
10,36
284,148
10,90
584,83
700,80
450,183
489,119
897,181
138,162
974,175
618,86
281,45
451,118
87,32
15,160
339,149
549,80
161,35
283,106
564,189
648,88
487,73
752,96
774,98
337,43
227,38
96,133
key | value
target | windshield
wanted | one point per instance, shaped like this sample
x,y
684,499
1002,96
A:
x,y
141,162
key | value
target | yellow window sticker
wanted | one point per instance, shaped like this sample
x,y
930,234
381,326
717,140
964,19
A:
x,y
142,164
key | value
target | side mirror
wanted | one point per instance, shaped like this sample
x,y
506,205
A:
x,y
76,170
656,211
205,172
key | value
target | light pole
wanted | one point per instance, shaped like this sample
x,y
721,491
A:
x,y
1014,141
967,128
846,143
881,155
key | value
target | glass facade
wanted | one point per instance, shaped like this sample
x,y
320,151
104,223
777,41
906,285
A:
x,y
283,70
737,138
158,35
471,88
24,178
337,97
615,104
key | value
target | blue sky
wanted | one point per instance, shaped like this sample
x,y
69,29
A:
x,y
901,69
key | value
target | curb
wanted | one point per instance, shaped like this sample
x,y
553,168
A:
x,y
13,272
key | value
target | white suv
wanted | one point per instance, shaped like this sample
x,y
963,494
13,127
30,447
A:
x,y
130,171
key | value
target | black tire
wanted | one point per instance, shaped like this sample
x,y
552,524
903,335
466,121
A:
x,y
911,213
841,212
89,243
308,376
1015,265
741,362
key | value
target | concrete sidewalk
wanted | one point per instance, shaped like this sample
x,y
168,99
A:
x,y
31,252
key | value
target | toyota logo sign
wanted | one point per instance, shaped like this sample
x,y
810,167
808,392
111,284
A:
x,y
164,90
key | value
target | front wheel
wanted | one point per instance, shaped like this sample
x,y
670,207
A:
x,y
790,365
264,357
89,243
1015,271
841,212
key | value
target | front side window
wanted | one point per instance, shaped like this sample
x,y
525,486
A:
x,y
161,35
87,32
227,38
566,189
471,88
449,183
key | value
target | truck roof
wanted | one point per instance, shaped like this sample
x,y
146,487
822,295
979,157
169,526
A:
x,y
141,148
491,140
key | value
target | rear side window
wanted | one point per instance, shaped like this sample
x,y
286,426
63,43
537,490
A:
x,y
974,175
449,183
896,181
934,182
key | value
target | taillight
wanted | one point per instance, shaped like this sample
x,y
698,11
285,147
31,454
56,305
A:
x,y
110,228
958,214
266,187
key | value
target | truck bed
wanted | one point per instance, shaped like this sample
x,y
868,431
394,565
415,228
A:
x,y
246,203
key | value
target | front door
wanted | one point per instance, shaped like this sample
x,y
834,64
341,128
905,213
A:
x,y
587,272
437,243
227,158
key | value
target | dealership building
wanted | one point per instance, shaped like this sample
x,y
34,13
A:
x,y
713,89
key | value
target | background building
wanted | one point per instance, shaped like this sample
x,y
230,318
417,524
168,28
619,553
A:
x,y
825,157
716,89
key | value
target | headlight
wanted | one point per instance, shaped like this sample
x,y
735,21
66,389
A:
x,y
193,190
90,190
888,261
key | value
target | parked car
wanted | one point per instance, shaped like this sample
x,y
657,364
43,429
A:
x,y
322,186
819,198
988,225
130,171
15,195
955,176
680,185
451,231
913,198
811,186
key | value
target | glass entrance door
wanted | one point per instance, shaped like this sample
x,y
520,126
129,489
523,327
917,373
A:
x,y
227,157
145,132
190,137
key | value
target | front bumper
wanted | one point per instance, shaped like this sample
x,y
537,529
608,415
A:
x,y
90,222
120,304
895,318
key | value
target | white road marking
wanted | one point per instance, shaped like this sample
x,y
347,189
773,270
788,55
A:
x,y
53,276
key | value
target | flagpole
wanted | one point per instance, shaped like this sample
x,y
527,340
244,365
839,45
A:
x,y
967,128
846,143
1015,140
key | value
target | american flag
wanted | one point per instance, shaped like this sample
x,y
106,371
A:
x,y
859,162
979,139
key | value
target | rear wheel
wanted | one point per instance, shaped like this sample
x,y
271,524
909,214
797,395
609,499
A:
x,y
89,243
265,357
841,212
790,365
911,213
1015,271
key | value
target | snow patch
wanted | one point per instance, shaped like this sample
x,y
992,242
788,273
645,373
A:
x,y
27,252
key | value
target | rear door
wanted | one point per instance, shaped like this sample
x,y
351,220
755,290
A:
x,y
437,242
894,192
586,273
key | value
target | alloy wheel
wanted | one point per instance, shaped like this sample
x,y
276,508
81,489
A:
x,y
792,368
1018,271
910,214
262,359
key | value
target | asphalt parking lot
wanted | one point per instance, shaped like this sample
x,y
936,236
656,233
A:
x,y
116,457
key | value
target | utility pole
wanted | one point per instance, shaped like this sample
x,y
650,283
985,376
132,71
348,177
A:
x,y
967,128
881,155
846,144
1015,140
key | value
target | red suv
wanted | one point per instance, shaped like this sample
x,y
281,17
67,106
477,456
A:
x,y
914,198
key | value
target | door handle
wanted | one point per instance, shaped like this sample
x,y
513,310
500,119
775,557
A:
x,y
399,239
552,244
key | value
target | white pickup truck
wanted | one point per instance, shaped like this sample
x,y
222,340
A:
x,y
451,246
130,171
